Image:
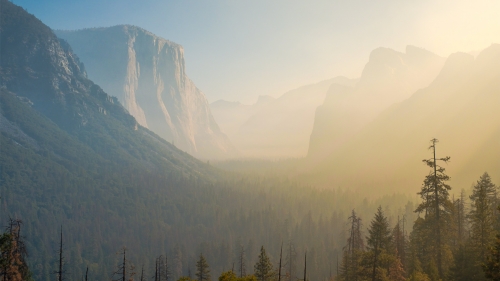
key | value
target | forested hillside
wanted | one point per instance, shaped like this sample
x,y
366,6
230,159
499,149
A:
x,y
87,193
73,157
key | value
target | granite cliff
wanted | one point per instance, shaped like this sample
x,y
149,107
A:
x,y
147,75
389,77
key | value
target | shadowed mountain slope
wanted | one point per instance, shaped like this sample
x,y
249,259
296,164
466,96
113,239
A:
x,y
147,75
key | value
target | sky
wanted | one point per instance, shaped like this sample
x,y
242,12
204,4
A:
x,y
239,49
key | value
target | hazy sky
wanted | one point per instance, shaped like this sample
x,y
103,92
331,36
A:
x,y
239,49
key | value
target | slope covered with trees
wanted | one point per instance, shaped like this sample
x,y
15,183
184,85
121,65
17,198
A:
x,y
72,156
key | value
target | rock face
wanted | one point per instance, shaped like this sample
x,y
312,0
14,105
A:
x,y
70,121
275,128
147,75
389,77
459,107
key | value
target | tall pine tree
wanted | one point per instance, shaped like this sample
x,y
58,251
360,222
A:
x,y
263,268
482,216
436,204
379,242
202,269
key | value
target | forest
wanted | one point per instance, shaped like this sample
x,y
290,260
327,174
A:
x,y
275,229
88,193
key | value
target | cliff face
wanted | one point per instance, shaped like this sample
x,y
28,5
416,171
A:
x,y
460,108
274,128
388,78
147,75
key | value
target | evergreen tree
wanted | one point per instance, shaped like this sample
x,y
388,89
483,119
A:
x,y
349,270
13,266
460,218
436,203
399,243
202,269
492,265
396,271
482,216
464,265
379,242
263,268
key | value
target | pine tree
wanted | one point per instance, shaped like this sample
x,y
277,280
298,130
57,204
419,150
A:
x,y
379,241
464,265
263,268
202,269
396,271
436,202
461,223
349,270
492,265
13,266
482,215
399,243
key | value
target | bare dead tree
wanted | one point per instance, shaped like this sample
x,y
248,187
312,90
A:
x,y
60,272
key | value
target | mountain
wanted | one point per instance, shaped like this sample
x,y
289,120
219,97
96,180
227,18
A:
x,y
147,75
277,128
74,160
389,77
231,115
460,108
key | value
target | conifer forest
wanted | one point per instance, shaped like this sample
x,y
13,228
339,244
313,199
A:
x,y
276,140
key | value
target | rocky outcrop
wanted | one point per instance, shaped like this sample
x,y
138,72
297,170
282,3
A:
x,y
147,75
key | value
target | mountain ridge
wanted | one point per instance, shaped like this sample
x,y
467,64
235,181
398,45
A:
x,y
458,108
388,77
147,74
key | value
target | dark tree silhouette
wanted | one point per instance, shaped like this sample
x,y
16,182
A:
x,y
379,239
435,199
202,269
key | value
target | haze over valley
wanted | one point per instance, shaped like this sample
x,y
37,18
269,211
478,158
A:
x,y
249,140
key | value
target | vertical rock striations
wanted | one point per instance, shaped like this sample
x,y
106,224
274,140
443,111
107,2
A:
x,y
147,75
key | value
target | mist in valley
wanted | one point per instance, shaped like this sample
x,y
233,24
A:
x,y
249,140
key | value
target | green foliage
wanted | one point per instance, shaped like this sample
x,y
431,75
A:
x,y
378,258
13,253
492,265
418,276
380,237
465,265
231,276
263,268
438,209
481,215
202,269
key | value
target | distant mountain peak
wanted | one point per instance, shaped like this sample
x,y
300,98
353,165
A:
x,y
264,99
